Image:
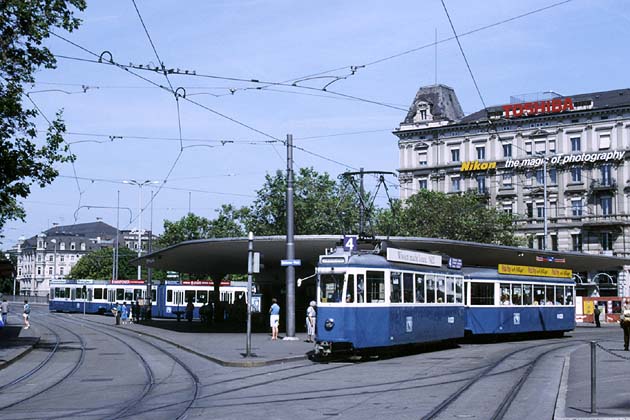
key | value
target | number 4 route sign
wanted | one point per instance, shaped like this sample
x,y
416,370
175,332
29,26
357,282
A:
x,y
350,243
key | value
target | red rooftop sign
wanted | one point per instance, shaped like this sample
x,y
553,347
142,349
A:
x,y
534,108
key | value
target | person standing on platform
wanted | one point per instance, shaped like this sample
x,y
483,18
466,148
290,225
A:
x,y
190,308
596,313
624,320
27,315
4,308
311,316
274,318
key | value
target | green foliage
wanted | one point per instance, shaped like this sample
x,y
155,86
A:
x,y
98,265
322,205
464,217
24,25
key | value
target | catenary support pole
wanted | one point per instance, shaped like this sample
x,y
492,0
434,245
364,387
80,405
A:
x,y
290,273
250,271
545,203
593,377
149,269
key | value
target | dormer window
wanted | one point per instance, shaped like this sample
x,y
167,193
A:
x,y
423,112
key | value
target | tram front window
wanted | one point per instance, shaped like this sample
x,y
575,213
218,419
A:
x,y
331,288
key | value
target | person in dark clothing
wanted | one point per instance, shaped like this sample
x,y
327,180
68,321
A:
x,y
189,311
624,320
596,313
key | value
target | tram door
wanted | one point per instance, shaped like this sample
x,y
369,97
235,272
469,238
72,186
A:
x,y
178,297
111,295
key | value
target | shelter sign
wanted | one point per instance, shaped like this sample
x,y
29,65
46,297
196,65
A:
x,y
524,270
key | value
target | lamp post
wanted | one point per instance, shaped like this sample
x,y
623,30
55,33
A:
x,y
140,184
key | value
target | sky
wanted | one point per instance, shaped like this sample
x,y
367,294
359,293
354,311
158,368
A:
x,y
370,56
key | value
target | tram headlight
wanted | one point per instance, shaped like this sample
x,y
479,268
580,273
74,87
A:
x,y
329,324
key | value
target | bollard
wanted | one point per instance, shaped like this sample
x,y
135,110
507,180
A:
x,y
593,377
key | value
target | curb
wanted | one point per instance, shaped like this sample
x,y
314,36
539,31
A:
x,y
6,363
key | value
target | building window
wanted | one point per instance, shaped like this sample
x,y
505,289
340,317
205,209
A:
x,y
606,174
552,146
553,175
540,210
481,183
422,159
82,246
528,149
607,241
541,242
62,246
507,150
604,141
530,211
554,242
73,246
455,155
576,174
576,207
422,184
541,146
61,257
576,144
540,177
576,242
50,258
61,271
606,203
507,208
507,179
39,271
455,184
530,242
481,152
50,271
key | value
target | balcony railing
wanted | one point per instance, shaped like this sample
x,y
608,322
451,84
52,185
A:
x,y
603,185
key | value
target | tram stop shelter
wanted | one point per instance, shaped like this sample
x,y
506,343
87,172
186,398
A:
x,y
218,257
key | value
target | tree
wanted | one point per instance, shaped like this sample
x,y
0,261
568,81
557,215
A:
x,y
321,205
24,25
464,217
98,265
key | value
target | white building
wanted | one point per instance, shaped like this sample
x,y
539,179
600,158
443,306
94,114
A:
x,y
502,152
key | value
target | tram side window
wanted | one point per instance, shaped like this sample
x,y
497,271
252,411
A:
x,y
331,288
190,296
481,293
154,295
459,298
394,287
120,294
549,298
517,294
128,295
430,289
58,293
559,295
441,289
202,296
360,288
569,296
539,295
420,288
350,289
505,293
408,287
137,294
98,293
375,287
67,293
450,290
169,296
527,294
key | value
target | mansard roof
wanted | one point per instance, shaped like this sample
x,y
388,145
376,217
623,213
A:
x,y
443,101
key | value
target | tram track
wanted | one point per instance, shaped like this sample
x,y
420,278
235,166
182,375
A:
x,y
45,363
511,393
131,405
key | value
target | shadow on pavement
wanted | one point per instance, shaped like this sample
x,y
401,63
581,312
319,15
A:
x,y
10,337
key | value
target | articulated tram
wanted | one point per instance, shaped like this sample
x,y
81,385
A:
x,y
391,297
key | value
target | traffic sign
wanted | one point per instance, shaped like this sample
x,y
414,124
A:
x,y
295,263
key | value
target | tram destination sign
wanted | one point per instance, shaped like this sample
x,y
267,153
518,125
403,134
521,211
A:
x,y
525,270
413,257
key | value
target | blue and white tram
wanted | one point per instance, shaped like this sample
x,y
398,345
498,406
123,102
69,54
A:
x,y
514,304
100,295
371,301
173,297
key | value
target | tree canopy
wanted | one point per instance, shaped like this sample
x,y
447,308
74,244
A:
x,y
24,159
464,217
98,265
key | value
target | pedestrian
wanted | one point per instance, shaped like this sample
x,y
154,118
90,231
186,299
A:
x,y
117,311
624,321
190,308
26,315
4,308
596,313
124,316
274,318
311,316
135,310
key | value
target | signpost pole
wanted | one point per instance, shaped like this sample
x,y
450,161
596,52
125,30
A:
x,y
250,263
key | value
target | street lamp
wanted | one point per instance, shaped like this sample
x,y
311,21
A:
x,y
140,184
